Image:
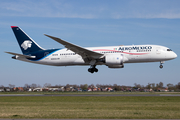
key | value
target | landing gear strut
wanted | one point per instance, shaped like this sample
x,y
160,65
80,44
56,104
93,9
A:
x,y
161,66
93,69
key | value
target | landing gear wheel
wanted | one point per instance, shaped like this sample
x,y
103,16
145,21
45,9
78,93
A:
x,y
93,69
89,70
161,66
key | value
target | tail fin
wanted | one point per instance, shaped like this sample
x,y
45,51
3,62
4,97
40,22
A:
x,y
26,43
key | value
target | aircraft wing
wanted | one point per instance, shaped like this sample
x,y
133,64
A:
x,y
20,55
85,53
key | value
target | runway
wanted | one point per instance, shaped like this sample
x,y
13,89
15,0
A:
x,y
83,95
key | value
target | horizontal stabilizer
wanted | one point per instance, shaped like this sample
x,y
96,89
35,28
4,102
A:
x,y
20,55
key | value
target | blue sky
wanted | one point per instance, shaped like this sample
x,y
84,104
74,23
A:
x,y
90,23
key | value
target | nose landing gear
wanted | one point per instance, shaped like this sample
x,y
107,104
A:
x,y
161,66
93,69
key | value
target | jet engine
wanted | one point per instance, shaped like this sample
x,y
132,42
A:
x,y
113,61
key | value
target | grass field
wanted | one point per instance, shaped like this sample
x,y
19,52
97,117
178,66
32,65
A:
x,y
116,107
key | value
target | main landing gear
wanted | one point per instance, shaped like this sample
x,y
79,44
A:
x,y
93,69
161,66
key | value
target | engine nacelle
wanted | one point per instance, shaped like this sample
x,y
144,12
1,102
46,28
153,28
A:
x,y
116,66
114,59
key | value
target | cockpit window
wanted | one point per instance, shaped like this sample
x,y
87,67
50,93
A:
x,y
169,50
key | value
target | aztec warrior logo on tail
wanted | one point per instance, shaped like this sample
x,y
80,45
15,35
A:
x,y
26,44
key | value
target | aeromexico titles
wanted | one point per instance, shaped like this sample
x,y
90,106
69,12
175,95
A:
x,y
111,56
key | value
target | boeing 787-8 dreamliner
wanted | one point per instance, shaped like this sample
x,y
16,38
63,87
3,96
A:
x,y
111,56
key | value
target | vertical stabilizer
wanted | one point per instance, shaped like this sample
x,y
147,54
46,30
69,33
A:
x,y
27,44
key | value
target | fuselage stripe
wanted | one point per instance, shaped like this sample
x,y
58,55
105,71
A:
x,y
120,52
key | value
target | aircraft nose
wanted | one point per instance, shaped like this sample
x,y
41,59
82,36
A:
x,y
171,55
175,55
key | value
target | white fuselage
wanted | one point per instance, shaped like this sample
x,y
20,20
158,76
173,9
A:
x,y
130,54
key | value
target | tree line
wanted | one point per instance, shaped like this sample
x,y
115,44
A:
x,y
136,87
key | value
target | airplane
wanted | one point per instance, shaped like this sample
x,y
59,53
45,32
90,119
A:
x,y
71,55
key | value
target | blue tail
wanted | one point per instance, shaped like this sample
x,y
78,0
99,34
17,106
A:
x,y
26,43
